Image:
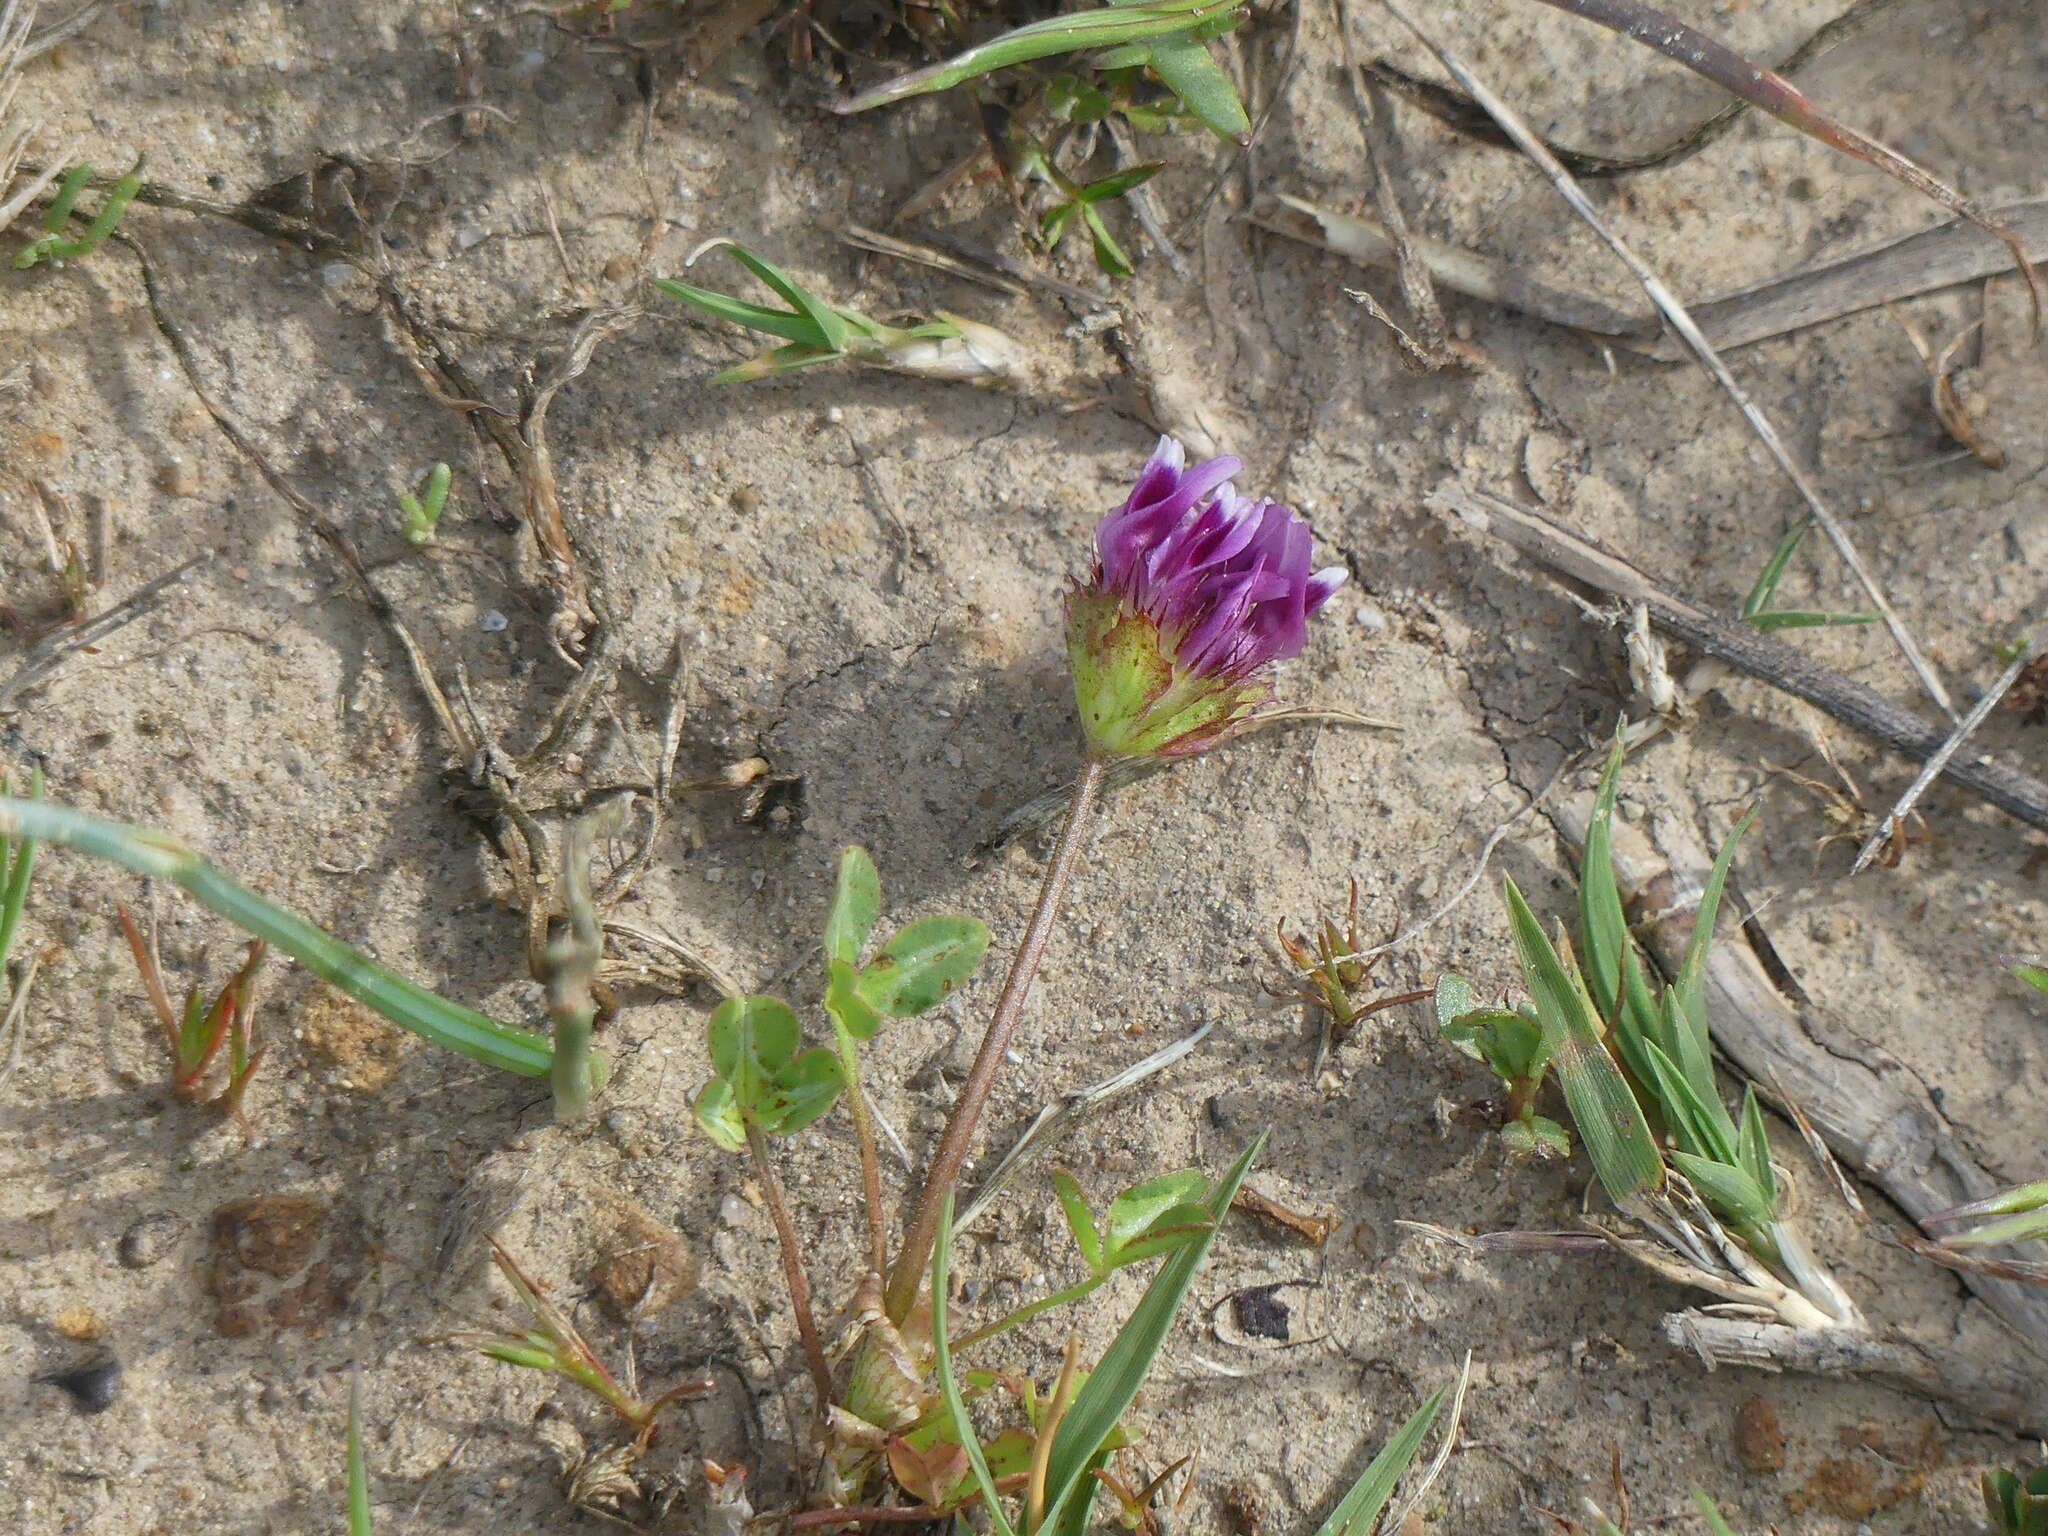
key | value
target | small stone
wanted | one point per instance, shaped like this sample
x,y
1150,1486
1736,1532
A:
x,y
92,1387
47,446
469,237
492,622
1759,1442
149,1239
79,1323
175,477
1370,618
619,268
334,274
645,1269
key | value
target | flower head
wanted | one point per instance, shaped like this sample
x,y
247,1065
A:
x,y
1195,590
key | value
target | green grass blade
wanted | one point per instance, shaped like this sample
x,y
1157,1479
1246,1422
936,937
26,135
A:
x,y
1692,974
1609,1119
1186,67
949,1387
358,1474
1359,1508
1711,1513
1759,599
1103,28
14,894
799,298
403,1002
1753,1147
1114,1382
755,317
1802,618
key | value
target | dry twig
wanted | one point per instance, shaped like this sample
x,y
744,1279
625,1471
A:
x,y
1668,304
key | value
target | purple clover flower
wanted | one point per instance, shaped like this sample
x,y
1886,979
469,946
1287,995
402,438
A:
x,y
1196,589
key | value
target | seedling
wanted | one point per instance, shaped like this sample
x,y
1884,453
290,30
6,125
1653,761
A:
x,y
1079,202
1331,977
814,331
2025,1207
358,1477
404,1003
1848,818
1700,1189
554,1344
55,246
423,512
1757,609
1165,36
1510,1041
195,1033
2017,1502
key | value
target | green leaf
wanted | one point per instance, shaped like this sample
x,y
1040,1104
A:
x,y
805,1089
1692,974
1104,28
1691,1121
1609,1120
2033,975
855,902
192,1031
718,1115
1753,1147
843,1002
1117,183
949,1388
755,317
1109,256
1767,579
1453,998
921,964
1359,1508
1509,1043
1070,99
1080,1220
1052,227
1536,1135
1141,1207
751,1037
1187,69
1092,1418
1603,928
1729,1190
1798,618
830,323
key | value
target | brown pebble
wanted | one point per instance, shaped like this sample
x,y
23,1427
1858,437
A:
x,y
47,446
149,1238
80,1323
174,477
1759,1443
645,1269
619,268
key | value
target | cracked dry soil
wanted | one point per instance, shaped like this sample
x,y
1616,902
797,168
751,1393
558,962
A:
x,y
864,572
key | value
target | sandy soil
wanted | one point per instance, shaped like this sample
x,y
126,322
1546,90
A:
x,y
864,573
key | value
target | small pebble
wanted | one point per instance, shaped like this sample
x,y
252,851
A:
x,y
149,1238
92,1387
619,268
334,273
469,237
175,477
1759,1442
492,622
1370,617
79,1323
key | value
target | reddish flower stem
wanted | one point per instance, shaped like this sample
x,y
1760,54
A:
x,y
951,1154
792,1268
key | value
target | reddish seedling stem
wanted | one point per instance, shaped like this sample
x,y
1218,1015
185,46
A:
x,y
793,1276
152,979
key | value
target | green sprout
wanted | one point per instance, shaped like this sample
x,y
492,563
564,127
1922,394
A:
x,y
814,331
384,991
55,246
423,512
1081,202
196,1032
1510,1041
2017,1503
1702,1182
1756,608
1082,1423
1165,36
2025,1206
554,1344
